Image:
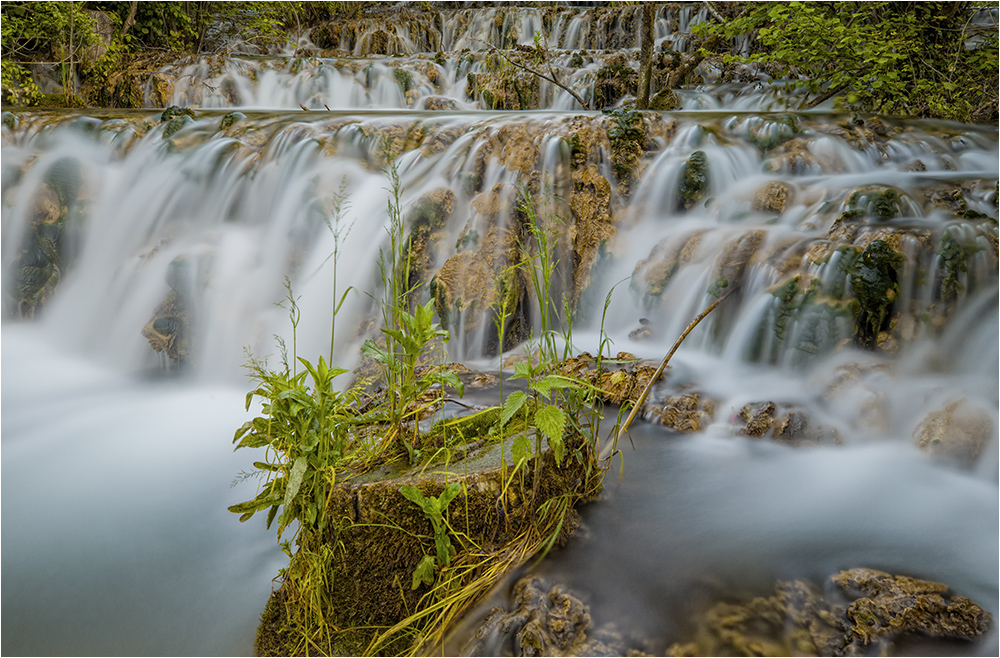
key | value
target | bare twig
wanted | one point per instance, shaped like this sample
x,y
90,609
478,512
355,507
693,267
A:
x,y
714,12
541,75
609,449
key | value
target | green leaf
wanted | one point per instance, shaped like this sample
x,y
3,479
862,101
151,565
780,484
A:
x,y
264,466
424,573
414,495
451,490
294,481
512,405
443,547
373,351
521,448
446,378
551,420
545,385
522,371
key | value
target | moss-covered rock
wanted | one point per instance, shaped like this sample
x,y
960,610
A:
x,y
694,181
594,224
801,619
613,81
377,537
874,281
665,100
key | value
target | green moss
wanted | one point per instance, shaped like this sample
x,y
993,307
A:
x,y
361,565
874,282
403,78
882,203
613,81
175,111
231,119
694,182
665,100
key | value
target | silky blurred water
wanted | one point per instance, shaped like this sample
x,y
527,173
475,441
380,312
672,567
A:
x,y
116,538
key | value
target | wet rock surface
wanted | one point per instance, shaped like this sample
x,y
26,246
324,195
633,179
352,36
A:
x,y
800,618
869,613
546,620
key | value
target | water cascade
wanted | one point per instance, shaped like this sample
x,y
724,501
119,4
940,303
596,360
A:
x,y
839,410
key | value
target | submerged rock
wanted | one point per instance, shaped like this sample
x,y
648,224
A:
x,y
956,432
694,182
782,423
874,282
546,620
802,619
772,198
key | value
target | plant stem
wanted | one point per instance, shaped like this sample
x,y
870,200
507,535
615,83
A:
x,y
610,448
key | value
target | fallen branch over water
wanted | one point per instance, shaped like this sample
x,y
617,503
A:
x,y
609,449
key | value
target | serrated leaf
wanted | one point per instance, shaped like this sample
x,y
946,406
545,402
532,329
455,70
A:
x,y
512,405
521,371
521,448
551,420
424,573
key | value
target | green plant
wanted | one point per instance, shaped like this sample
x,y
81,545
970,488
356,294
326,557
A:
x,y
896,58
399,363
305,432
435,508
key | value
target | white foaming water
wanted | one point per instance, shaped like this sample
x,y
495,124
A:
x,y
218,218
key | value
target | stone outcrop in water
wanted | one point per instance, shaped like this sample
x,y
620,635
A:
x,y
956,433
546,620
888,616
802,619
381,537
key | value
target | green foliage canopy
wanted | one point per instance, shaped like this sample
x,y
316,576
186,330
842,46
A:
x,y
927,59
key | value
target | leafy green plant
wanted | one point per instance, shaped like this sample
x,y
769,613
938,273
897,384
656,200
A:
x,y
305,431
896,58
400,365
435,508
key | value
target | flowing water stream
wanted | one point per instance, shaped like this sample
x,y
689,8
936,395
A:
x,y
142,256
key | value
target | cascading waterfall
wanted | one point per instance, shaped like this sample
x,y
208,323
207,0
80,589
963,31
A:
x,y
143,253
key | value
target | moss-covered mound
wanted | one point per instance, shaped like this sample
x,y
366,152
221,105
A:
x,y
385,576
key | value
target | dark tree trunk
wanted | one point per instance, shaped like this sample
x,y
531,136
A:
x,y
646,55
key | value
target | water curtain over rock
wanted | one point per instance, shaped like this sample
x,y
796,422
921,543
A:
x,y
861,253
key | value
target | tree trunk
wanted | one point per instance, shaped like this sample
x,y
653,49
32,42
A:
x,y
646,55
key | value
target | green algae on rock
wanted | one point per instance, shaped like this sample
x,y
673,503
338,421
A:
x,y
800,618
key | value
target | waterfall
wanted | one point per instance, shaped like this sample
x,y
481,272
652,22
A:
x,y
145,253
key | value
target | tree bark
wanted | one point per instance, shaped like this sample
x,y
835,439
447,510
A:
x,y
130,21
646,55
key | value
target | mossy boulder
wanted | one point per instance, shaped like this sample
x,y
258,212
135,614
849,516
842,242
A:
x,y
367,555
613,81
694,181
874,281
802,619
665,100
